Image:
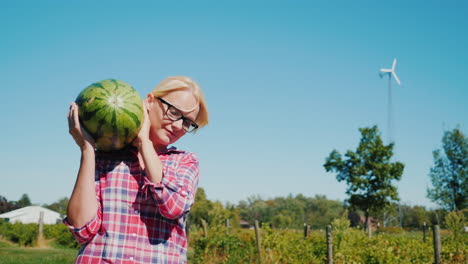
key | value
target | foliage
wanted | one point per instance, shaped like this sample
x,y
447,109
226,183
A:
x,y
290,246
60,206
291,211
22,234
200,208
449,176
6,206
61,236
23,201
340,227
213,213
221,246
368,172
26,234
456,223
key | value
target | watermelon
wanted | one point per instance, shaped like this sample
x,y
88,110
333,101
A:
x,y
112,112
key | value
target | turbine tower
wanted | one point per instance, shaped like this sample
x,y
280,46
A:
x,y
390,72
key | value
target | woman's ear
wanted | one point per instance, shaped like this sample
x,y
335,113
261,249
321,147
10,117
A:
x,y
150,98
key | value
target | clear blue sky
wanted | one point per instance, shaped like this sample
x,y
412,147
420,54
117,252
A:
x,y
286,83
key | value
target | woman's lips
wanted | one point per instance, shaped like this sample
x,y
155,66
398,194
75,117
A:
x,y
172,134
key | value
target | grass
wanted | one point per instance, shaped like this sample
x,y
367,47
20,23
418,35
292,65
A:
x,y
13,254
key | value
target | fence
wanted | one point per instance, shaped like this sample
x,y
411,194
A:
x,y
329,239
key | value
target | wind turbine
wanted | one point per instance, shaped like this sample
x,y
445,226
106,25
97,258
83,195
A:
x,y
390,72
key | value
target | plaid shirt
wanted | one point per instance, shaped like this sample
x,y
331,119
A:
x,y
138,221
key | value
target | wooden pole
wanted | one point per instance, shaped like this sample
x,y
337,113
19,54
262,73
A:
x,y
369,227
40,235
305,230
187,228
228,225
205,227
437,245
329,246
257,235
424,232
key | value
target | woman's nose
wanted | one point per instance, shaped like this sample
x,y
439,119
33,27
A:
x,y
178,124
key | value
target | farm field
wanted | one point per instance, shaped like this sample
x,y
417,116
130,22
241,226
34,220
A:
x,y
349,246
13,254
217,243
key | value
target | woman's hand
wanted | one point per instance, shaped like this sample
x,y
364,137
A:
x,y
143,135
82,138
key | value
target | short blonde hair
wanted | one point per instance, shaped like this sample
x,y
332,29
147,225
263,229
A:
x,y
177,83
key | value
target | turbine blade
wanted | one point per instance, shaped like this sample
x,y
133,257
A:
x,y
394,64
386,70
396,78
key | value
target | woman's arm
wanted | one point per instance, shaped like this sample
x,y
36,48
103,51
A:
x,y
83,204
151,162
148,157
175,194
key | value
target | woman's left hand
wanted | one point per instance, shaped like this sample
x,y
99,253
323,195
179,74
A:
x,y
143,135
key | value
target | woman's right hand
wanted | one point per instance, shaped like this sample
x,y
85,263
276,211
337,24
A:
x,y
82,138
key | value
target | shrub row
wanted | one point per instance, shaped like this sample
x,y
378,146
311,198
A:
x,y
26,234
289,246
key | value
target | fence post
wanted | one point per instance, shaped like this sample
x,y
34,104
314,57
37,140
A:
x,y
329,246
228,225
305,230
424,232
437,245
40,235
205,227
369,227
187,228
257,235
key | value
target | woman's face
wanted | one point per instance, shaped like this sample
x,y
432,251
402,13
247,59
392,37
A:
x,y
163,130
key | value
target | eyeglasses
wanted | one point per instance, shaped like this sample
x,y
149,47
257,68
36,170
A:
x,y
174,114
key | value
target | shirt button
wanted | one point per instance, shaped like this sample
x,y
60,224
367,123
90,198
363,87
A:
x,y
137,212
131,258
134,234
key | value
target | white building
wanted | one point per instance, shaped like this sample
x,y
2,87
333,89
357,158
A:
x,y
31,214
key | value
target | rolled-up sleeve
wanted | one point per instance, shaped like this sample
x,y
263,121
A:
x,y
175,194
85,233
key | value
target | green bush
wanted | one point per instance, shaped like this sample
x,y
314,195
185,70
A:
x,y
22,234
61,236
290,246
221,246
26,234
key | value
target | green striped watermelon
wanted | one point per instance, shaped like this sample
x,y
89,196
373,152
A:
x,y
112,112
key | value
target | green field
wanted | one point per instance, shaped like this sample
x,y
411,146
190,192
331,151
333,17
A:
x,y
12,254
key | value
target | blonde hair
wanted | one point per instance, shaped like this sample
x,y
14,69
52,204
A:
x,y
177,83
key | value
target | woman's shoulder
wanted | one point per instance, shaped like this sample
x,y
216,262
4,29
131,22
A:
x,y
126,154
181,155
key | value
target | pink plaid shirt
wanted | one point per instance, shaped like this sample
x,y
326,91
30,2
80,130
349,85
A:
x,y
138,221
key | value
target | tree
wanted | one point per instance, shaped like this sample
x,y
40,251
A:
x,y
449,176
5,205
368,172
201,208
60,206
23,201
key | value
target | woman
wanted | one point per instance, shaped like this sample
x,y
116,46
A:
x,y
130,206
